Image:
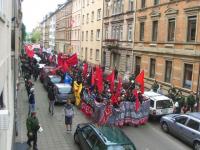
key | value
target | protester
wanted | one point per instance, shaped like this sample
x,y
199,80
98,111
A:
x,y
32,125
69,114
51,97
31,101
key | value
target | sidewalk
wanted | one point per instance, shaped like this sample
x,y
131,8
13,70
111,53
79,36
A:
x,y
54,136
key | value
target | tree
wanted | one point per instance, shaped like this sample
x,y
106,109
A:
x,y
36,35
23,29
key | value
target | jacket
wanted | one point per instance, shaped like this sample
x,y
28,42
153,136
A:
x,y
32,124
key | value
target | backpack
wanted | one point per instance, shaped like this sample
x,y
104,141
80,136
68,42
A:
x,y
69,112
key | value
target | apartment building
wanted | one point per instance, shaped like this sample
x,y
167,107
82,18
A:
x,y
75,27
10,29
118,29
167,43
91,31
63,27
52,30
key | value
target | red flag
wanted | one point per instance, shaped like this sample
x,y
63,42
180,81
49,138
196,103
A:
x,y
60,60
93,77
111,78
85,69
137,102
29,51
72,60
140,79
99,79
65,67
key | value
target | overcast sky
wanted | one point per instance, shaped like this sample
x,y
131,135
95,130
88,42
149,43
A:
x,y
35,10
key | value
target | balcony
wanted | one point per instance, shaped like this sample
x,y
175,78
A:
x,y
111,43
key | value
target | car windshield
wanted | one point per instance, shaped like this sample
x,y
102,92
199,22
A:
x,y
164,104
63,90
55,80
121,147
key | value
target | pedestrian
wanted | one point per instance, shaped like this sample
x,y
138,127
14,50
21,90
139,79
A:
x,y
51,97
32,125
177,109
116,73
69,114
31,100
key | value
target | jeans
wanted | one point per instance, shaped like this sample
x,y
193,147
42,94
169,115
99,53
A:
x,y
31,108
51,107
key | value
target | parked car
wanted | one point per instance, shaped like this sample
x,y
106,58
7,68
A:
x,y
45,72
159,104
91,137
62,92
50,80
184,126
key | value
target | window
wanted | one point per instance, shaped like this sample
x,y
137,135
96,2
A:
x,y
129,35
104,58
86,54
137,65
106,32
191,31
154,30
187,81
142,31
86,36
171,29
91,54
128,67
156,2
193,124
92,17
86,131
91,36
107,10
143,3
83,19
1,101
98,35
152,67
82,35
121,33
181,120
168,71
131,5
98,14
97,54
87,20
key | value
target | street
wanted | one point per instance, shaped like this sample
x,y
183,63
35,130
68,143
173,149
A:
x,y
55,137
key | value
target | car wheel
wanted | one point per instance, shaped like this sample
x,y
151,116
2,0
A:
x,y
76,138
165,127
196,145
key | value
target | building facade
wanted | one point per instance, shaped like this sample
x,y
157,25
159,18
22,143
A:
x,y
63,15
167,43
76,27
118,29
91,31
52,31
10,43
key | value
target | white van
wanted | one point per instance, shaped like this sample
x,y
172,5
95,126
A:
x,y
159,104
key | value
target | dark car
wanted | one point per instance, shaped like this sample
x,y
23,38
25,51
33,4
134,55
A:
x,y
50,80
184,126
45,72
62,92
91,137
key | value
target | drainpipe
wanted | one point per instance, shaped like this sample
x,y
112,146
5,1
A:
x,y
198,90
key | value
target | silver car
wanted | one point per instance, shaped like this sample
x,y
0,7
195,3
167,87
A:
x,y
184,126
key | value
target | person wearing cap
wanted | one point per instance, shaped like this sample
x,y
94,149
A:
x,y
32,125
31,100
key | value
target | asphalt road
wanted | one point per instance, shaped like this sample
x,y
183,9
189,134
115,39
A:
x,y
151,137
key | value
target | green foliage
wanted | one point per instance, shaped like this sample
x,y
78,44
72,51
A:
x,y
23,29
36,36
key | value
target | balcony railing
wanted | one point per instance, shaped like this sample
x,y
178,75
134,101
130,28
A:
x,y
111,43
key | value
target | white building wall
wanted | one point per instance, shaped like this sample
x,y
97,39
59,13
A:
x,y
6,135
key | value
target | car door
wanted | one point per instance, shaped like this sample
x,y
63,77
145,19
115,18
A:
x,y
84,134
92,140
177,127
191,131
